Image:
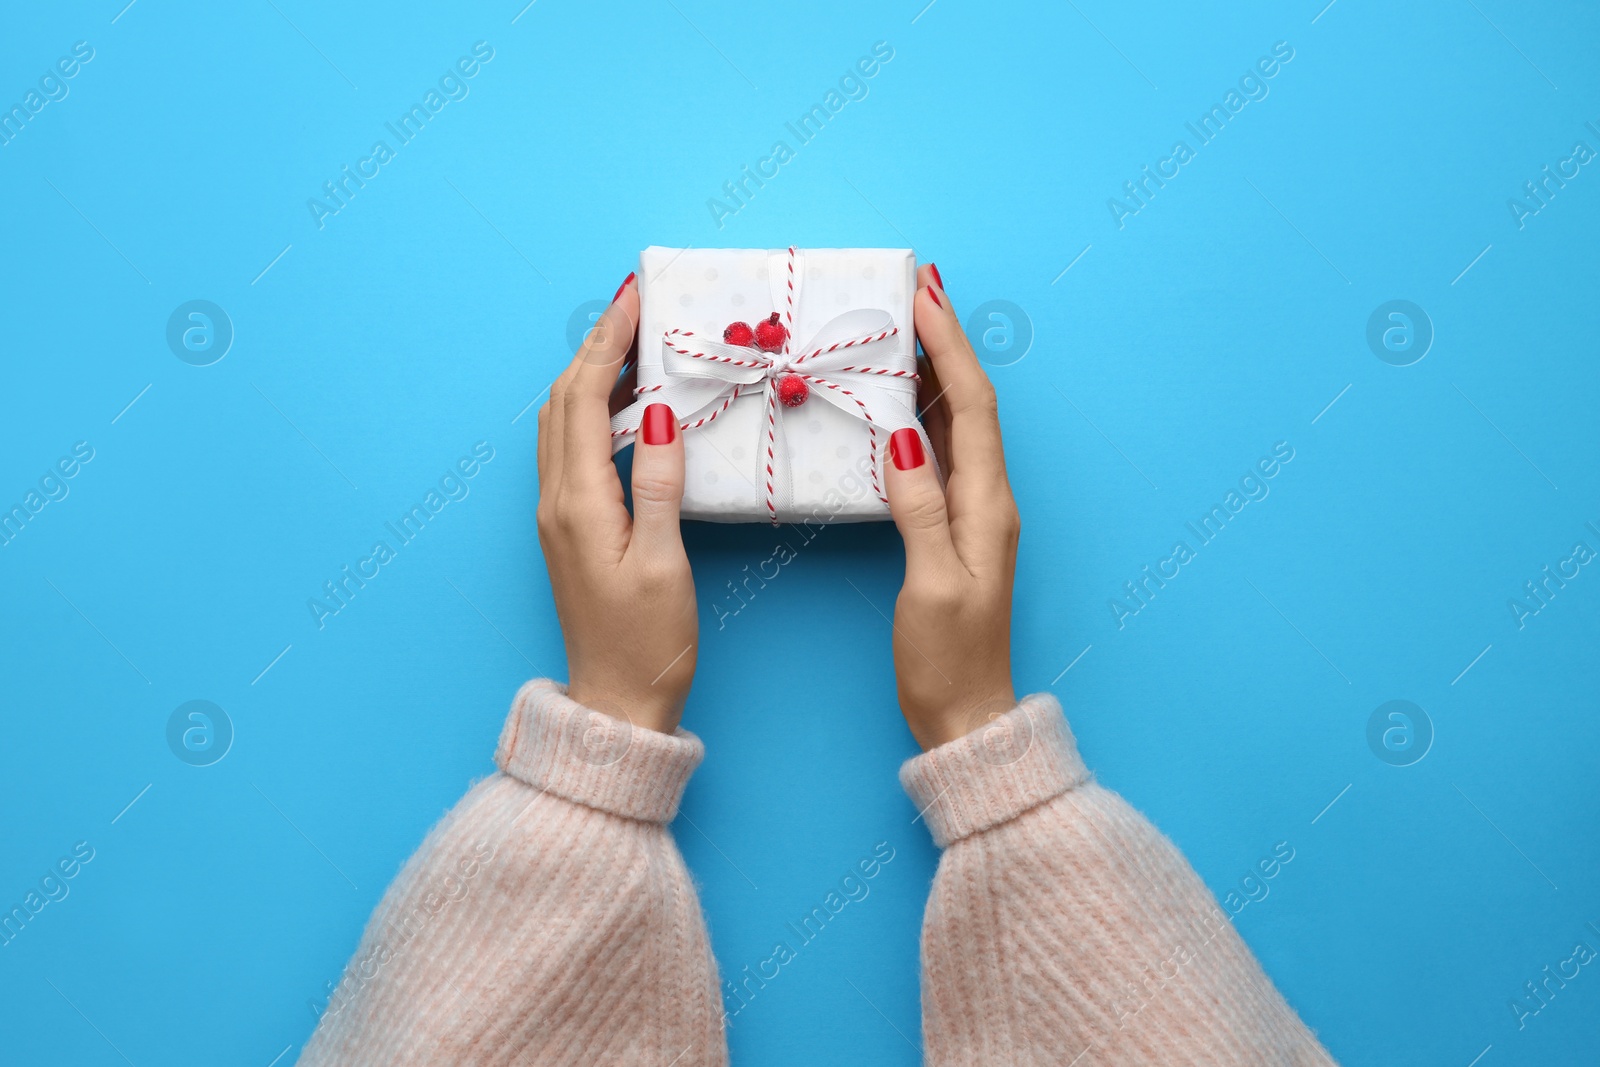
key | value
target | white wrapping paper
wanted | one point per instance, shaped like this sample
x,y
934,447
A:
x,y
827,469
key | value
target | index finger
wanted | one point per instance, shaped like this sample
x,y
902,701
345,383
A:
x,y
976,453
586,415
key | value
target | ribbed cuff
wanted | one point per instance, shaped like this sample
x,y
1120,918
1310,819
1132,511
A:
x,y
556,744
1018,761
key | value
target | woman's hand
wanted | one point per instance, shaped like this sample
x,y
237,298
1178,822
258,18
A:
x,y
622,586
952,622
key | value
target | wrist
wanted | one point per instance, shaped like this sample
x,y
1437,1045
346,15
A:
x,y
660,712
952,721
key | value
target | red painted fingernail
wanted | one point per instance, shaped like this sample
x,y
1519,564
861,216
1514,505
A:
x,y
934,294
625,283
905,448
934,267
660,425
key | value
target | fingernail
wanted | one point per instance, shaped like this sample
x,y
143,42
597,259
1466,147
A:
x,y
625,283
905,448
934,294
660,425
934,267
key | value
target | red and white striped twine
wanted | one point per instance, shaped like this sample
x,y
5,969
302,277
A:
x,y
788,315
872,428
696,424
890,332
772,435
913,375
691,353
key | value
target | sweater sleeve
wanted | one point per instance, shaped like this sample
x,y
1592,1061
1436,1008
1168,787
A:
x,y
1062,923
548,919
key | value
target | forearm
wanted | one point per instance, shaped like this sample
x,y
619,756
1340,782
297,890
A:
x,y
547,919
1062,921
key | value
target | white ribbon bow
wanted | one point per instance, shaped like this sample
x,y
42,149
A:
x,y
706,376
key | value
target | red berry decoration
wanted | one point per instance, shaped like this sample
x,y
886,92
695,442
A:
x,y
739,333
771,334
792,389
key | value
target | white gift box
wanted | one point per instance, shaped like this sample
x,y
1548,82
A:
x,y
751,458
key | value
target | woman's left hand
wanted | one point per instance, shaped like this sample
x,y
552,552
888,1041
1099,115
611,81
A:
x,y
622,585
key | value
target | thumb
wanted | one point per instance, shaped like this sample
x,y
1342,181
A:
x,y
916,501
657,480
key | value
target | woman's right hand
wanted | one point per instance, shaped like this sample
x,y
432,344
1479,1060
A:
x,y
622,585
952,621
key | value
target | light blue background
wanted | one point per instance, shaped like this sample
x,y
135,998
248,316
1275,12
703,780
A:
x,y
1223,318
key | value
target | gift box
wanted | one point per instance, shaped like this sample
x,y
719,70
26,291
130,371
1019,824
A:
x,y
787,369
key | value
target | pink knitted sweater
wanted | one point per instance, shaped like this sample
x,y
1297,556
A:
x,y
549,919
